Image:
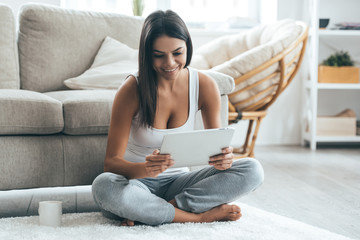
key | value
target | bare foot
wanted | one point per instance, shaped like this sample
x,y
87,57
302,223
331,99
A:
x,y
223,212
127,222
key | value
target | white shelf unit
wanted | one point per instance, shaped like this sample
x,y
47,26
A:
x,y
313,90
351,33
319,86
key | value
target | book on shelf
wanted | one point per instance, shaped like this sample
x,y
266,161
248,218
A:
x,y
348,26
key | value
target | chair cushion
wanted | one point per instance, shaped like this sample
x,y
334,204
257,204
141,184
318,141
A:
x,y
238,54
85,111
9,64
27,112
226,47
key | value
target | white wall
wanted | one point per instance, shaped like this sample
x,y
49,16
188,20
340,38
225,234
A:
x,y
349,11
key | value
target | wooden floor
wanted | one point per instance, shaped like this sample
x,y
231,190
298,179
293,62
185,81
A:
x,y
320,188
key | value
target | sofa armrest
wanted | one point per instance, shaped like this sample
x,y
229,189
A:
x,y
223,114
9,64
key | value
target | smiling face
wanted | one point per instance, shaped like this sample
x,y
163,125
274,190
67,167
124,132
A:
x,y
169,57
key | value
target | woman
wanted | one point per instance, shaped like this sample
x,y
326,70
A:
x,y
138,183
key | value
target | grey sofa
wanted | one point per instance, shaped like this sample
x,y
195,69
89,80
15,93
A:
x,y
53,139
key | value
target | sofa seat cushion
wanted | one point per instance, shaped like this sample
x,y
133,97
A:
x,y
85,111
27,112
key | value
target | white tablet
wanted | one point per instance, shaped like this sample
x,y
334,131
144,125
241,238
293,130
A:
x,y
194,148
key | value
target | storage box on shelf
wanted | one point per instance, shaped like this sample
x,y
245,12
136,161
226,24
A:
x,y
335,126
338,68
346,74
341,124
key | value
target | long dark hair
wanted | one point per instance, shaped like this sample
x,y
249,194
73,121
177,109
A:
x,y
157,24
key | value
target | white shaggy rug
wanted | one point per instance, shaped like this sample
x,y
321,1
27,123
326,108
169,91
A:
x,y
254,224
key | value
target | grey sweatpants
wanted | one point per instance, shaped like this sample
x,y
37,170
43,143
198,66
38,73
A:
x,y
146,200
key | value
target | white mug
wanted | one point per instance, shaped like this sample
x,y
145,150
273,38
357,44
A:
x,y
50,213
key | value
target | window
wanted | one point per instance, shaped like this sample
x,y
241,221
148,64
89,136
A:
x,y
112,6
210,14
205,14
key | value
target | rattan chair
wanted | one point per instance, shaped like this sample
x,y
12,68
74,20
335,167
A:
x,y
257,88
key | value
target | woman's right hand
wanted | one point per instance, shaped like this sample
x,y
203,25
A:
x,y
157,163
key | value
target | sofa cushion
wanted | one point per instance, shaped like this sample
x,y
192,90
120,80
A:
x,y
9,64
27,112
56,44
112,64
85,111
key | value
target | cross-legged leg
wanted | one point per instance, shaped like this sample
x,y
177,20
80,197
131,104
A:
x,y
130,199
198,196
202,190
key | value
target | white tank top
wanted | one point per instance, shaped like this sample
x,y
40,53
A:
x,y
143,140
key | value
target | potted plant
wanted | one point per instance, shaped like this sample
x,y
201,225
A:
x,y
338,68
138,7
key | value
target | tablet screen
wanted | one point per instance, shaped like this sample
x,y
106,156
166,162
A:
x,y
194,148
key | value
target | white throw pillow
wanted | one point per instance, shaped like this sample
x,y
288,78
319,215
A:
x,y
112,64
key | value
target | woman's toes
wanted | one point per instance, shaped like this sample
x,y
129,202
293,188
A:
x,y
127,222
236,208
130,223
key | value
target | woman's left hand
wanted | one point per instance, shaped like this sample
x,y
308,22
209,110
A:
x,y
223,160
